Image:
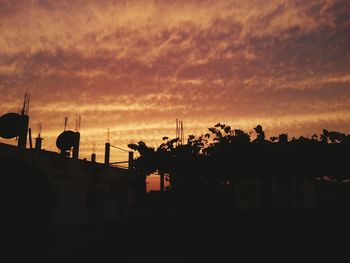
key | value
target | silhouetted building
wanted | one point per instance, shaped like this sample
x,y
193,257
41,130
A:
x,y
84,191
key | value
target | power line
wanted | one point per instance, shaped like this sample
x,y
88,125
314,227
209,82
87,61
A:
x,y
119,148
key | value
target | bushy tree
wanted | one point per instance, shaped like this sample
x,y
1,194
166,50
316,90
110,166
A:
x,y
225,153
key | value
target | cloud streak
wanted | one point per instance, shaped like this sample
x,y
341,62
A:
x,y
139,64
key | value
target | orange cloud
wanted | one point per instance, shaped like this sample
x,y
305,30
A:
x,y
136,67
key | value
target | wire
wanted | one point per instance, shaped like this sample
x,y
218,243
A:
x,y
119,148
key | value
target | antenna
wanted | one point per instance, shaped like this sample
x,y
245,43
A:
x,y
179,132
40,127
77,123
24,104
65,123
28,101
25,108
182,132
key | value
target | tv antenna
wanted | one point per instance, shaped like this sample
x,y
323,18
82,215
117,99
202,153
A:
x,y
179,132
25,108
40,127
65,123
77,123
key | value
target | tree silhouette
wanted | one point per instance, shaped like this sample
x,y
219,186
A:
x,y
226,154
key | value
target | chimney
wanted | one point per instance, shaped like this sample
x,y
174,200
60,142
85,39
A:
x,y
38,142
107,152
93,158
76,146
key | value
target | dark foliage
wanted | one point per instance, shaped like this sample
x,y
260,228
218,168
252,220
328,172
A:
x,y
225,154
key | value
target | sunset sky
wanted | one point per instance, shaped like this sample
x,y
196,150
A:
x,y
136,66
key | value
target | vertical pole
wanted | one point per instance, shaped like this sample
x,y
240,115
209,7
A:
x,y
38,141
177,132
131,161
76,146
182,133
30,138
107,152
22,138
65,123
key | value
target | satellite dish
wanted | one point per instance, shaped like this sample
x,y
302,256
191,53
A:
x,y
11,125
66,140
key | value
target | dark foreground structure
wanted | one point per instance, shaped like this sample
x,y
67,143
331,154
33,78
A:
x,y
233,200
209,237
43,191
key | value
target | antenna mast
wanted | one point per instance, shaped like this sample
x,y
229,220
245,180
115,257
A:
x,y
40,127
179,132
65,123
77,123
177,128
25,108
182,132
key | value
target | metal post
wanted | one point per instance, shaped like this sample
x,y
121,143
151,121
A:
x,y
76,146
131,161
107,152
30,138
22,138
38,141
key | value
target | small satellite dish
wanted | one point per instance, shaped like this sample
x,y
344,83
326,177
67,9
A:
x,y
66,140
11,125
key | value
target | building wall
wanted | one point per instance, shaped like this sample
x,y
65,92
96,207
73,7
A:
x,y
84,191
